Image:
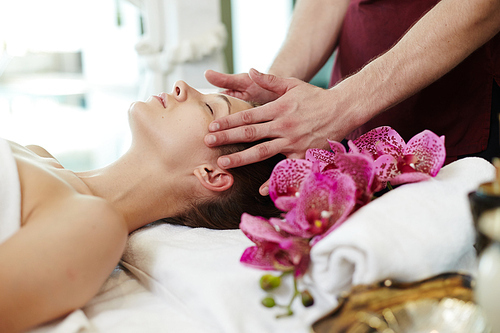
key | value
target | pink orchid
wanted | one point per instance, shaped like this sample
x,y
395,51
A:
x,y
286,180
357,165
318,194
421,158
315,200
325,201
274,249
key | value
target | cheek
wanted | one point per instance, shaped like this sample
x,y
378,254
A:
x,y
182,142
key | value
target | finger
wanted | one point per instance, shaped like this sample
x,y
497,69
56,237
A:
x,y
273,83
227,81
236,94
216,78
251,155
264,189
249,133
251,116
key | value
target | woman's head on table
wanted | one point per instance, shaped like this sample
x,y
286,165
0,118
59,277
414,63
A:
x,y
78,222
168,130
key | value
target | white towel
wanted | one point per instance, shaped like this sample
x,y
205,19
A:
x,y
413,232
10,193
197,274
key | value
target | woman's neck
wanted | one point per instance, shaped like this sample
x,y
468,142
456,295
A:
x,y
138,188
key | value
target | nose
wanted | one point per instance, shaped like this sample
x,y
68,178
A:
x,y
182,90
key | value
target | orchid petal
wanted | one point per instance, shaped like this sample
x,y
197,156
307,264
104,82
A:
x,y
343,201
380,141
361,169
316,154
336,147
259,230
301,228
386,168
301,267
313,200
286,203
288,226
320,156
287,177
352,147
409,177
429,152
257,257
323,202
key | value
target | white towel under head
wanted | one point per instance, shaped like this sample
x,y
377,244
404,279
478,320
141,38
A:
x,y
10,193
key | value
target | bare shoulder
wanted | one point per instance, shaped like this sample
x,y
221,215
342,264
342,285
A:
x,y
81,211
70,245
40,151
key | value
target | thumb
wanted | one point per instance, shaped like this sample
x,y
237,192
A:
x,y
273,83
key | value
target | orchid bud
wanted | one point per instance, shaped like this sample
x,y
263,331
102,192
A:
x,y
268,302
307,299
269,282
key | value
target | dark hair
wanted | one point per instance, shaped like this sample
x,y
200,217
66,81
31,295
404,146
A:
x,y
225,210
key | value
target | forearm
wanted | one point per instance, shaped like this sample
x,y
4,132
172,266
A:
x,y
311,38
438,42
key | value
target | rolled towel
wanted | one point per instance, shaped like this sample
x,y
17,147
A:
x,y
410,233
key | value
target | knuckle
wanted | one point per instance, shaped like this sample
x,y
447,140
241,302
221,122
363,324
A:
x,y
221,138
263,151
272,78
285,125
236,159
250,133
246,117
223,123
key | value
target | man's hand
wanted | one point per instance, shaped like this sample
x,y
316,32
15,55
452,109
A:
x,y
299,119
240,86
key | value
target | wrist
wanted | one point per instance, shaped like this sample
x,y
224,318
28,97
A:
x,y
369,92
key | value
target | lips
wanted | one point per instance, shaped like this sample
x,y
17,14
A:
x,y
161,97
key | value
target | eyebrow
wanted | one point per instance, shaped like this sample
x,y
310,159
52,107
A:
x,y
227,101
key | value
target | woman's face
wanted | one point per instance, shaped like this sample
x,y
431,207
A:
x,y
174,125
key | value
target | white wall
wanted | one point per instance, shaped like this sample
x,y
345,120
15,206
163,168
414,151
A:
x,y
259,29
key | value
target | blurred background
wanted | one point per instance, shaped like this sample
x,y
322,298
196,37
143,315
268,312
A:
x,y
69,69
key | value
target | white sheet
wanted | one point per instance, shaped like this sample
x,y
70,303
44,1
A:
x,y
190,280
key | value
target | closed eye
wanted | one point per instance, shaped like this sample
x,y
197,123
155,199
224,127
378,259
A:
x,y
211,110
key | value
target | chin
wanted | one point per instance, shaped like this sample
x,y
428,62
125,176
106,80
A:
x,y
136,106
135,113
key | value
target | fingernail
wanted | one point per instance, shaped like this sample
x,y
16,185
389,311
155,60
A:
x,y
264,191
256,71
211,139
224,162
214,127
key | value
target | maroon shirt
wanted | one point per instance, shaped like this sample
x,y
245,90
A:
x,y
458,105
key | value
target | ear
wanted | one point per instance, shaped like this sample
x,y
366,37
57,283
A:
x,y
213,178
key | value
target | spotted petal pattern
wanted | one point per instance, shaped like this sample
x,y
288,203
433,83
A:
x,y
273,250
361,169
379,141
285,182
322,156
429,152
395,161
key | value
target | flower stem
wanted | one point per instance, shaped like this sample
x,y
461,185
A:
x,y
295,294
